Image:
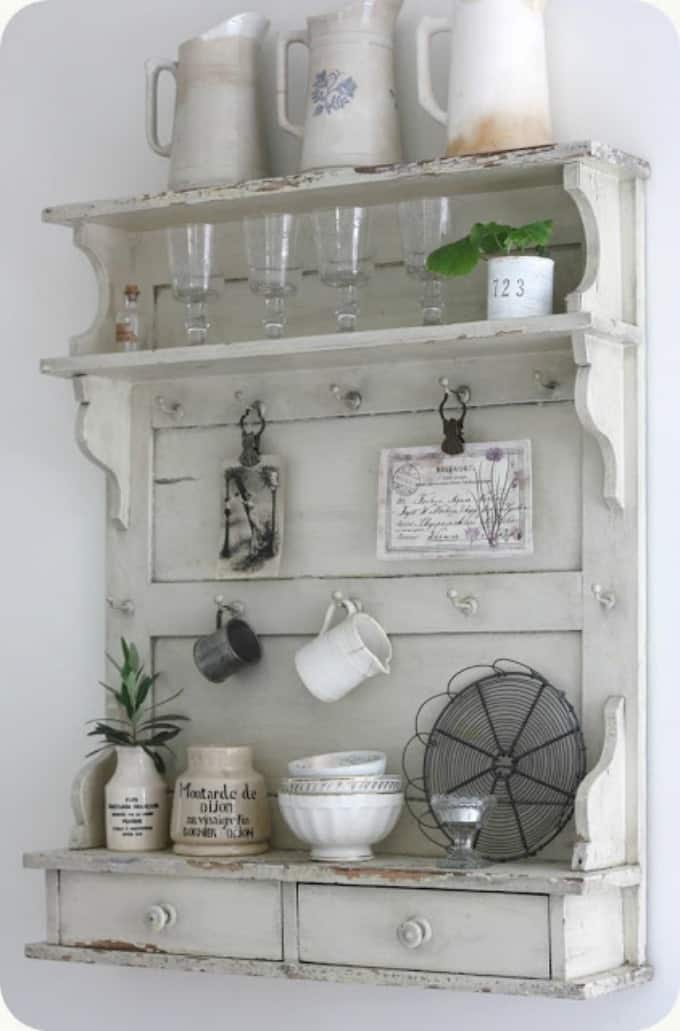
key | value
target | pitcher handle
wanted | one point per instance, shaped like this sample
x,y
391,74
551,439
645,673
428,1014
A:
x,y
350,606
427,28
285,42
154,68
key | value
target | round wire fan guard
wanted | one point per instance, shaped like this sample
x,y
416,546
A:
x,y
509,733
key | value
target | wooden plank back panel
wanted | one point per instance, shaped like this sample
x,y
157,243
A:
x,y
331,480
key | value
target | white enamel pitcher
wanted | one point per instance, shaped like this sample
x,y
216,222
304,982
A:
x,y
498,92
351,115
216,139
343,656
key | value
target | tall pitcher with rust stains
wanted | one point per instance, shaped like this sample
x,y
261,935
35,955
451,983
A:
x,y
498,94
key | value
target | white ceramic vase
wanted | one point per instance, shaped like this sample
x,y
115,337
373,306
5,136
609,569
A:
x,y
351,115
498,87
220,806
216,139
520,286
137,804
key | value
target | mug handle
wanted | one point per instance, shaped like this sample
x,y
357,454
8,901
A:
x,y
350,606
154,67
427,28
285,42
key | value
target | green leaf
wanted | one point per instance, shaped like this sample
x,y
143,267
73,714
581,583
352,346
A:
x,y
134,657
167,717
162,736
126,701
142,692
454,259
171,698
113,662
157,759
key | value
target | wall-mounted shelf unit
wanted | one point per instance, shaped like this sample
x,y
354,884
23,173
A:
x,y
570,923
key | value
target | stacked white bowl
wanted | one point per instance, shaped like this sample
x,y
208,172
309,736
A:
x,y
341,803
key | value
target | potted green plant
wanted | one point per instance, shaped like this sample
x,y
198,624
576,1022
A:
x,y
137,803
520,277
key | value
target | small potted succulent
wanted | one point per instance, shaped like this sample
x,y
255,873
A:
x,y
137,802
520,272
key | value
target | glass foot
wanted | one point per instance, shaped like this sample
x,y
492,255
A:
x,y
462,859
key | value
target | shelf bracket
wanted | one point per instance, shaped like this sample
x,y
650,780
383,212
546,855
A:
x,y
104,436
600,809
110,253
597,195
599,396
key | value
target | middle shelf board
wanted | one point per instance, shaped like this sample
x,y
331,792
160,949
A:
x,y
527,876
540,335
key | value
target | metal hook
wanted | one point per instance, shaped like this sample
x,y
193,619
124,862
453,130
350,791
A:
x,y
462,393
352,399
607,599
469,605
340,601
237,608
126,606
172,408
544,382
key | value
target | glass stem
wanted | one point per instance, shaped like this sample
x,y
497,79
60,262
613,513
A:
x,y
432,302
196,322
347,310
275,318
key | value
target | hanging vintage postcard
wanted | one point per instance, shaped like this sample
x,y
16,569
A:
x,y
477,503
252,528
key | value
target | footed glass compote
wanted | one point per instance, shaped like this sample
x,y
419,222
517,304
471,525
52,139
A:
x,y
196,278
345,255
424,225
274,270
462,817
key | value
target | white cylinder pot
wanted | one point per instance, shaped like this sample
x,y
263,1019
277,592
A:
x,y
520,286
137,804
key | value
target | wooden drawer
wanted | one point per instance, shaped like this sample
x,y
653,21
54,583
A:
x,y
471,932
238,919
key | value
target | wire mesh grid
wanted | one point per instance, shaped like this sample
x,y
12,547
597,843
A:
x,y
508,733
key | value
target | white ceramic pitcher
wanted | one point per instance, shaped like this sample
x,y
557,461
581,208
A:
x,y
498,91
343,656
216,139
351,115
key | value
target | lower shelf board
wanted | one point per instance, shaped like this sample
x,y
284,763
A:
x,y
586,988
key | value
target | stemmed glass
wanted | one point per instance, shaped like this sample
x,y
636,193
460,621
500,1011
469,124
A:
x,y
195,276
463,816
274,269
344,252
424,226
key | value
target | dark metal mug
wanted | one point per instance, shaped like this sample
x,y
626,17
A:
x,y
230,648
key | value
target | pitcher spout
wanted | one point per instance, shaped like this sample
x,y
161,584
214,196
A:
x,y
248,25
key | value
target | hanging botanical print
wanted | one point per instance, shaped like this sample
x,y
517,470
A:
x,y
253,507
434,505
253,523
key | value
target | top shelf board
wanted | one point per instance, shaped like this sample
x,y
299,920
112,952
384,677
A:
x,y
383,184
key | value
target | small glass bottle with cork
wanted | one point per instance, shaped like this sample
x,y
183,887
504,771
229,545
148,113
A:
x,y
129,326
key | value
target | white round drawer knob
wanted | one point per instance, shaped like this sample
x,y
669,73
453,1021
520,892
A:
x,y
157,918
414,932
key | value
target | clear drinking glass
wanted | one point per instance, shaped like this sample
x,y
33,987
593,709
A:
x,y
345,256
463,816
274,269
424,225
195,275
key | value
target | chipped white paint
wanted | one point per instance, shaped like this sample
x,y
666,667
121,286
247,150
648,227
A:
x,y
600,811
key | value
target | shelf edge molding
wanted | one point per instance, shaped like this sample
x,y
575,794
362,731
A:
x,y
103,434
600,809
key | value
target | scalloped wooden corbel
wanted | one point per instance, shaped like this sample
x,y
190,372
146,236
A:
x,y
599,396
600,808
597,195
103,435
109,251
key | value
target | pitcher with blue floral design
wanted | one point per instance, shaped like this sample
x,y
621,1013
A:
x,y
351,116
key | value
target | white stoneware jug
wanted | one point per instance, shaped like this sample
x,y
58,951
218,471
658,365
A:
x,y
351,115
216,139
137,804
341,658
220,806
498,90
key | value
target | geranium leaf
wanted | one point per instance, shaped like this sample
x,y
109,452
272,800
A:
x,y
454,259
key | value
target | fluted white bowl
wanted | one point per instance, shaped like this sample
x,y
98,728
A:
x,y
341,828
339,764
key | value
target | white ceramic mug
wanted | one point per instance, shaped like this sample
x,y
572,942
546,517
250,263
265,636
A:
x,y
342,657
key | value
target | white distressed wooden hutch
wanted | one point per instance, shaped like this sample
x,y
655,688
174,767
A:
x,y
570,923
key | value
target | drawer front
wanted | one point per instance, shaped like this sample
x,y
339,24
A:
x,y
238,919
458,932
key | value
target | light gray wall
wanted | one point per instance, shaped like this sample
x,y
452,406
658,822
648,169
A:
x,y
72,127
